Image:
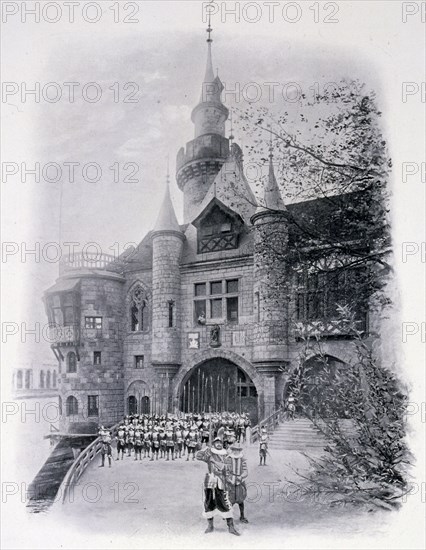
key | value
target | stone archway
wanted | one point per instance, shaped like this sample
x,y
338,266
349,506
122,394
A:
x,y
219,380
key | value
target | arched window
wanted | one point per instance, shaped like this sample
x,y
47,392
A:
x,y
42,379
54,381
132,404
72,406
60,405
27,379
71,362
19,380
138,309
48,376
145,405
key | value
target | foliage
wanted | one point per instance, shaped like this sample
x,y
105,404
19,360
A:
x,y
331,160
367,460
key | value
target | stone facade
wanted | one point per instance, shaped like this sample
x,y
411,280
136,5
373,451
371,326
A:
x,y
134,330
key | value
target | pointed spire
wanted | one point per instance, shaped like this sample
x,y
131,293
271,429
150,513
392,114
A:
x,y
272,195
212,85
166,220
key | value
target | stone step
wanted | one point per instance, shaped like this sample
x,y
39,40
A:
x,y
297,438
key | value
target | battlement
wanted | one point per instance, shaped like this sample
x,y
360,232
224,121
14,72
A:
x,y
204,154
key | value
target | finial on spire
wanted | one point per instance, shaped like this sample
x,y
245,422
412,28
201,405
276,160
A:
x,y
209,28
231,130
271,155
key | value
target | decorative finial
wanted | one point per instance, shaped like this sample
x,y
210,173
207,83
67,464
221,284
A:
x,y
231,134
270,142
209,28
168,171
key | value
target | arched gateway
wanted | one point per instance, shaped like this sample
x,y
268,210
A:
x,y
218,383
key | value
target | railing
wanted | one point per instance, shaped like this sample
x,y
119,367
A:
x,y
89,260
80,464
269,423
327,328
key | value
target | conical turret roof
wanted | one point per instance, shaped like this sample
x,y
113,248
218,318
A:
x,y
272,199
166,220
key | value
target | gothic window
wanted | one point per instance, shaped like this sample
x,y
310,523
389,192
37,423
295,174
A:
x,y
71,362
28,379
54,379
138,309
97,358
19,380
93,405
48,379
71,406
42,379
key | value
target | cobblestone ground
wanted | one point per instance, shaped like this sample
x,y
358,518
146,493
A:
x,y
160,503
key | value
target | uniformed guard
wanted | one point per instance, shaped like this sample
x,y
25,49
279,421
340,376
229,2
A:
x,y
216,500
155,444
263,445
192,441
106,449
179,441
170,442
138,443
121,441
235,482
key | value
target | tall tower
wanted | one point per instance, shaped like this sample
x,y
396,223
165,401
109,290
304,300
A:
x,y
167,241
198,165
270,289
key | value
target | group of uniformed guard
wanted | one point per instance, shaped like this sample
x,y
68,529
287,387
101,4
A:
x,y
170,436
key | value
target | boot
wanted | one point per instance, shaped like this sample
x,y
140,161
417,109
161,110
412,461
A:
x,y
210,526
103,462
243,519
231,527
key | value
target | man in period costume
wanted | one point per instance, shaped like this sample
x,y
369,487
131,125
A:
x,y
170,442
179,440
121,441
216,500
106,449
263,445
192,441
155,443
138,442
235,481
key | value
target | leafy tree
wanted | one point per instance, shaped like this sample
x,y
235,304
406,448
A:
x,y
366,461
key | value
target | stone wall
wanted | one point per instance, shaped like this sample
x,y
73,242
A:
x,y
101,296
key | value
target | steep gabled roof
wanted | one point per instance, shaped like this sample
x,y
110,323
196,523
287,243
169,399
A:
x,y
231,188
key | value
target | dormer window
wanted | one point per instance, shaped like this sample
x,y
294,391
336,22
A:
x,y
218,228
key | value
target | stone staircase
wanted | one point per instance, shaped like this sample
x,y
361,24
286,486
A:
x,y
296,435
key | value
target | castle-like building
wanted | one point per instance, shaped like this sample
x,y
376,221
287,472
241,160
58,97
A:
x,y
184,322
